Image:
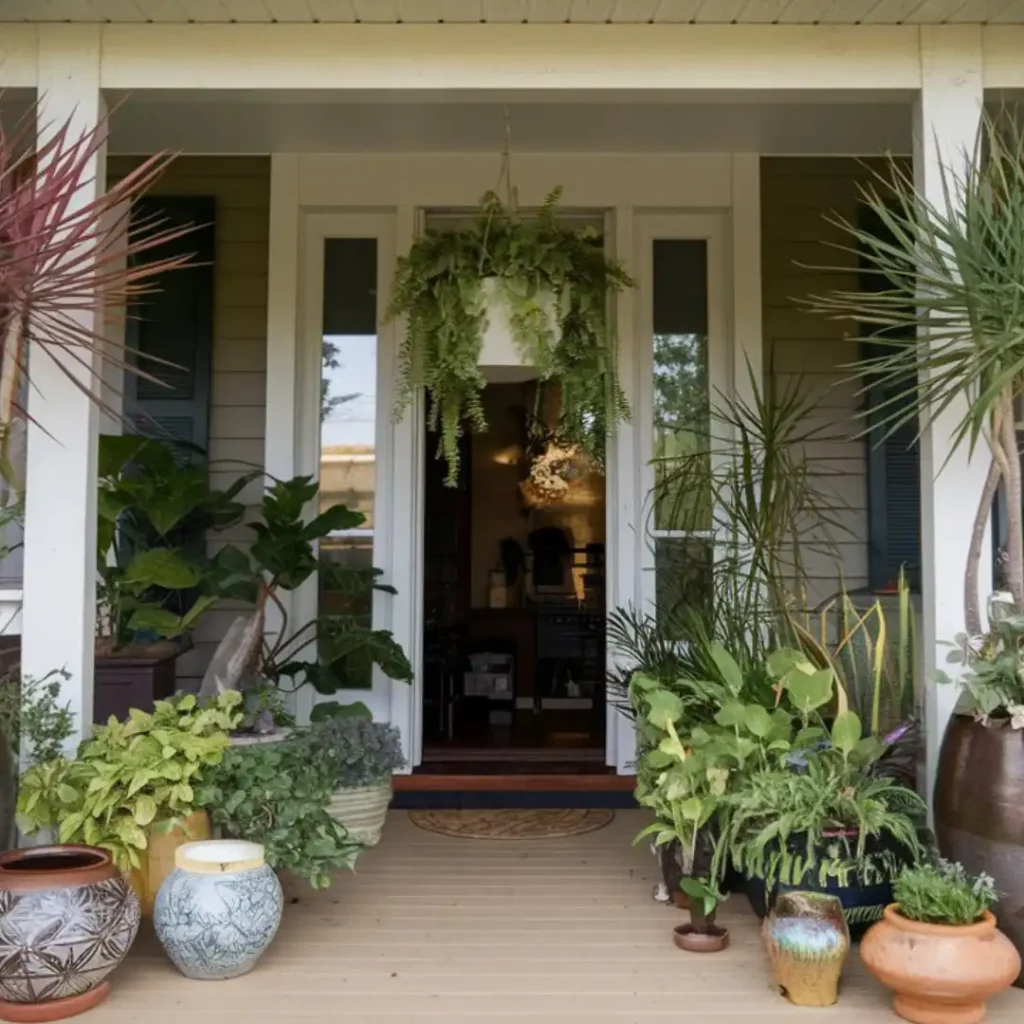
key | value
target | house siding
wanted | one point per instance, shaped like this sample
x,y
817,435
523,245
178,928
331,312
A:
x,y
241,187
798,198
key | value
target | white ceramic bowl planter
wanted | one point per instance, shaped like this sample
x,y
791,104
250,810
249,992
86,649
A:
x,y
501,359
362,810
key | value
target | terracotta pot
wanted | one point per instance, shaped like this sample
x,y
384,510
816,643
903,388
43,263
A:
x,y
710,940
67,919
158,857
979,816
940,974
807,941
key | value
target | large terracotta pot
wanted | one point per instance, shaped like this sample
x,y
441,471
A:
x,y
158,857
67,919
219,909
940,974
979,814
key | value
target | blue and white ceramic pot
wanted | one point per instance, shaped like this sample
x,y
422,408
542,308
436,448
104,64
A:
x,y
219,909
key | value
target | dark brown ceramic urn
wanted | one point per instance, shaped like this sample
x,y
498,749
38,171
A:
x,y
979,810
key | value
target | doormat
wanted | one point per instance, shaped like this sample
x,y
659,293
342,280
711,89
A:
x,y
529,824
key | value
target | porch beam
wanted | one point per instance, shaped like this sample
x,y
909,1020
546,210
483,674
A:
x,y
947,117
59,610
19,56
522,56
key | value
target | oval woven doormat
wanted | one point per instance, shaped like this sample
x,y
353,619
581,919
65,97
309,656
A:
x,y
508,824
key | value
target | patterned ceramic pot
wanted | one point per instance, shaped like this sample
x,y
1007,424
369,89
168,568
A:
x,y
807,941
219,909
67,919
361,811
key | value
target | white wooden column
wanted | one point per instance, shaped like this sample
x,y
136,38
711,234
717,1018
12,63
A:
x,y
59,613
281,423
947,118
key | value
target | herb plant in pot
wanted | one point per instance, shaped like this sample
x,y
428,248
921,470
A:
x,y
702,934
364,754
132,788
938,948
513,268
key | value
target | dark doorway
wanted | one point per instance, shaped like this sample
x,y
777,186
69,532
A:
x,y
514,603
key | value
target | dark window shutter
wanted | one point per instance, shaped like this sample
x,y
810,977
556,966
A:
x,y
175,323
894,475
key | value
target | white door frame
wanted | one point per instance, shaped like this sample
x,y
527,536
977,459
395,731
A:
x,y
315,196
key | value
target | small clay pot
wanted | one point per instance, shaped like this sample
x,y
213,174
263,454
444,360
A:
x,y
940,974
712,940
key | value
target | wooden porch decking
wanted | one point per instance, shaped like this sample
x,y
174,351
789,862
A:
x,y
433,929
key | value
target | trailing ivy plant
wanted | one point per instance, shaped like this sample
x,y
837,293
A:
x,y
439,288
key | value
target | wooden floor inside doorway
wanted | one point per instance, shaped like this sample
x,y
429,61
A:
x,y
434,930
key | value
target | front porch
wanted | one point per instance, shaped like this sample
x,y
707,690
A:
x,y
434,929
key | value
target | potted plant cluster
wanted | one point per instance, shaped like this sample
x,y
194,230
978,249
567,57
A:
x,y
277,795
133,788
364,754
960,336
938,947
156,581
549,282
784,788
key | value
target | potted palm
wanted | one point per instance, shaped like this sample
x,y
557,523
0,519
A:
x,y
527,285
947,324
938,947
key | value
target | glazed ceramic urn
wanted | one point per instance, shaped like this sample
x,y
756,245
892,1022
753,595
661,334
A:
x,y
807,941
219,909
67,919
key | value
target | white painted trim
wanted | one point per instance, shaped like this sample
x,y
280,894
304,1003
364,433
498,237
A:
x,y
549,56
382,699
406,490
747,328
622,484
591,181
280,415
59,590
946,120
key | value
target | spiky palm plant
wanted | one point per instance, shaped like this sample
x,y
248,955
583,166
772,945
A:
x,y
63,255
949,272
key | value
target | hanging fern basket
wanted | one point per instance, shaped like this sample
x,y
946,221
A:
x,y
511,298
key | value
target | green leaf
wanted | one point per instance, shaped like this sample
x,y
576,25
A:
x,y
162,567
663,707
731,714
692,809
808,691
846,732
757,720
337,517
328,709
730,671
145,810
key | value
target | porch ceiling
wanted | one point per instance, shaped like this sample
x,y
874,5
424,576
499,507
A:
x,y
841,12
